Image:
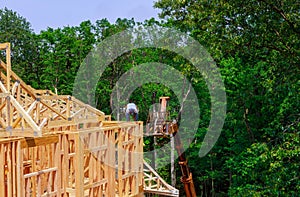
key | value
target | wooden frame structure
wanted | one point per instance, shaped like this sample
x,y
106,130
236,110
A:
x,y
90,162
28,112
154,184
55,145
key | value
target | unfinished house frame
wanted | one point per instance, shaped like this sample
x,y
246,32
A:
x,y
55,145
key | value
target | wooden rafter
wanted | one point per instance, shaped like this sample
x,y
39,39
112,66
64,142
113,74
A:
x,y
154,184
24,108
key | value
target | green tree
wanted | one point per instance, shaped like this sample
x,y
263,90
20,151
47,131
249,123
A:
x,y
61,52
17,30
256,45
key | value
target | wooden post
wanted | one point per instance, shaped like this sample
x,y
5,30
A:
x,y
111,165
163,104
9,170
57,162
8,64
79,162
38,109
173,172
8,113
68,112
20,172
120,161
2,170
14,175
155,111
65,163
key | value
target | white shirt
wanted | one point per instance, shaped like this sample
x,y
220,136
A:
x,y
131,106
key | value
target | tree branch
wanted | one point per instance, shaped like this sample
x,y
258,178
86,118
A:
x,y
281,12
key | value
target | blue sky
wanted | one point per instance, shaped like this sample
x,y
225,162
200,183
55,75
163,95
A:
x,y
58,13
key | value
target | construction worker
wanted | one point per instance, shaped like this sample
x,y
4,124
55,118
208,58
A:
x,y
131,110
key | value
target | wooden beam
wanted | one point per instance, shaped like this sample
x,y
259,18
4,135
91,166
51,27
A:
x,y
54,97
79,165
2,122
8,64
2,169
44,121
16,122
3,46
28,132
4,95
2,87
52,109
28,142
90,108
19,170
29,90
44,92
25,115
26,176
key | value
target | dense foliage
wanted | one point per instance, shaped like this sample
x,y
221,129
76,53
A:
x,y
256,46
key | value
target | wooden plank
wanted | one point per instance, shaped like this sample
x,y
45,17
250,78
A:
x,y
20,172
28,132
3,104
44,92
39,141
14,174
19,93
8,140
65,163
2,122
28,119
43,123
32,174
79,168
109,169
37,113
9,170
3,95
90,108
54,110
120,162
58,162
34,168
68,108
31,107
2,171
15,86
59,123
4,46
29,90
8,64
63,98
